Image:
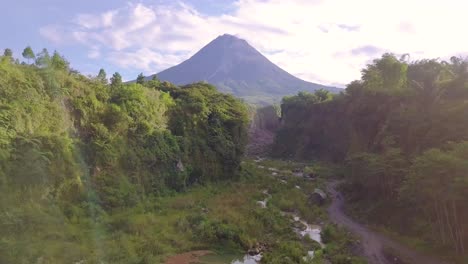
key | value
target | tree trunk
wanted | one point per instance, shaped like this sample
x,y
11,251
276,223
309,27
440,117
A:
x,y
440,224
450,228
458,231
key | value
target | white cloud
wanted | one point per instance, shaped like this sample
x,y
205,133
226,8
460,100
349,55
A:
x,y
144,59
94,53
326,41
52,33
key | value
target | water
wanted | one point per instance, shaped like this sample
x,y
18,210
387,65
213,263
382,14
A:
x,y
263,204
313,231
248,259
230,258
310,255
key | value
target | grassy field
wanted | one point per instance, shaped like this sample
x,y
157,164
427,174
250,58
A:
x,y
221,217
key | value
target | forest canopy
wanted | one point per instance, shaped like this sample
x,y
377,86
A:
x,y
401,133
76,148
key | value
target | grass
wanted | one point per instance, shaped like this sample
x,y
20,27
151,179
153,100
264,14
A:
x,y
223,217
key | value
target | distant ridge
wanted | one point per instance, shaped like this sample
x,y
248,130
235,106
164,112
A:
x,y
234,66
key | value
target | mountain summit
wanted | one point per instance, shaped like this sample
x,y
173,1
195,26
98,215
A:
x,y
235,67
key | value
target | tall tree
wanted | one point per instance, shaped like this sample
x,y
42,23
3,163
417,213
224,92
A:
x,y
140,79
102,76
43,58
116,80
153,83
58,62
8,53
28,54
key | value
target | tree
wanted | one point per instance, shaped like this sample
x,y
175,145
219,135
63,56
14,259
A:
x,y
102,76
58,62
8,53
116,80
387,74
437,184
28,54
153,83
323,95
43,58
140,79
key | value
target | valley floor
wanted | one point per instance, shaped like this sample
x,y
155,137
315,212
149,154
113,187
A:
x,y
266,212
273,205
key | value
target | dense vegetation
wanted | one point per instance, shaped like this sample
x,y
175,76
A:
x,y
83,162
401,133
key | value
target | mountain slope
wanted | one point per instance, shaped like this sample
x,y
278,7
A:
x,y
234,66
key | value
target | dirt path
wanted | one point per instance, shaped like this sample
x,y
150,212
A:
x,y
373,243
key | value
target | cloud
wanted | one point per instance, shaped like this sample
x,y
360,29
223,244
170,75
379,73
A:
x,y
349,27
52,33
322,41
144,59
94,53
367,50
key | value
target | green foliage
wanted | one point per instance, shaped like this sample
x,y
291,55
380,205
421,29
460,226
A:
x,y
116,81
58,62
224,133
43,58
140,79
400,134
8,53
77,155
102,77
28,54
287,252
339,246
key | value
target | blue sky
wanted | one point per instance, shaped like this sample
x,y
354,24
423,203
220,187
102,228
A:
x,y
325,41
22,22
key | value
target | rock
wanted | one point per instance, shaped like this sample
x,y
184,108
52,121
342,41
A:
x,y
257,249
318,197
180,166
296,170
263,204
299,225
253,251
310,176
298,174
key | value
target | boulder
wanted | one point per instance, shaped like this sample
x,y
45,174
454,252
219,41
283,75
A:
x,y
318,197
258,248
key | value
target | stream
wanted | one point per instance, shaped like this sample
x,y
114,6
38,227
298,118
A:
x,y
306,229
310,230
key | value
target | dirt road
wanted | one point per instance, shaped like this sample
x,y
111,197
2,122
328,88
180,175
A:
x,y
372,242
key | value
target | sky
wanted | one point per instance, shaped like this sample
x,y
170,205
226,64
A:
x,y
323,41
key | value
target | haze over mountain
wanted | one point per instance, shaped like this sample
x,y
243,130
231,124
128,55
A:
x,y
235,67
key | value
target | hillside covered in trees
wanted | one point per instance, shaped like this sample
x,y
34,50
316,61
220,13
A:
x,y
401,134
77,151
